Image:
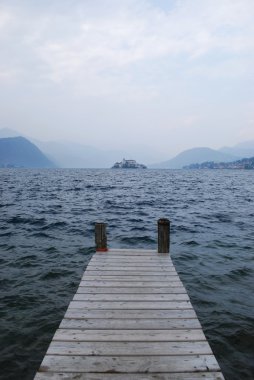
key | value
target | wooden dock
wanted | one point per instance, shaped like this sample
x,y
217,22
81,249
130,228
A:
x,y
131,319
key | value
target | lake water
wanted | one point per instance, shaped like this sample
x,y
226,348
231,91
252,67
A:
x,y
47,238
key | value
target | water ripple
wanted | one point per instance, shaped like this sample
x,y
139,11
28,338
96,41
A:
x,y
47,238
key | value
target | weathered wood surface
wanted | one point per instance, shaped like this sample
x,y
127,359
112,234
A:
x,y
129,314
129,348
131,271
127,335
130,364
126,283
131,290
131,297
131,319
75,323
134,376
130,305
162,278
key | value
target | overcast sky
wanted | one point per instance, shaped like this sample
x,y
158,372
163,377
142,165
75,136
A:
x,y
169,75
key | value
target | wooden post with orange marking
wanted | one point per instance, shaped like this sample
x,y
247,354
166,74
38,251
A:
x,y
101,237
163,235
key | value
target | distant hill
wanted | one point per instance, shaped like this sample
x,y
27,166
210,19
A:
x,y
68,154
20,152
195,155
244,163
73,155
7,132
244,149
77,155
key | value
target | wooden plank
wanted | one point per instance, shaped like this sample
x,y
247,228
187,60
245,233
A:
x,y
139,263
129,348
132,250
148,268
141,324
131,258
126,254
130,364
130,290
129,335
134,255
123,283
155,258
130,264
128,305
131,297
134,376
99,273
138,314
166,278
131,267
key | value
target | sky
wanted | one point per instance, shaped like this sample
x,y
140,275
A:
x,y
161,75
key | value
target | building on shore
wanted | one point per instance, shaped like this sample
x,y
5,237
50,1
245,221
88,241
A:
x,y
128,164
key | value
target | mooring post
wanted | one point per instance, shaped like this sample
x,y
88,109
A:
x,y
163,235
100,237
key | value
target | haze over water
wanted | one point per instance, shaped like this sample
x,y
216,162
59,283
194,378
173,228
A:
x,y
47,238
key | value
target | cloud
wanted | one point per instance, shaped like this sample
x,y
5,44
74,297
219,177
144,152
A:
x,y
188,59
5,18
88,39
103,48
7,75
190,120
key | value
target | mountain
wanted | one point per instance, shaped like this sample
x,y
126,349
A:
x,y
7,132
244,149
73,155
195,155
20,152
